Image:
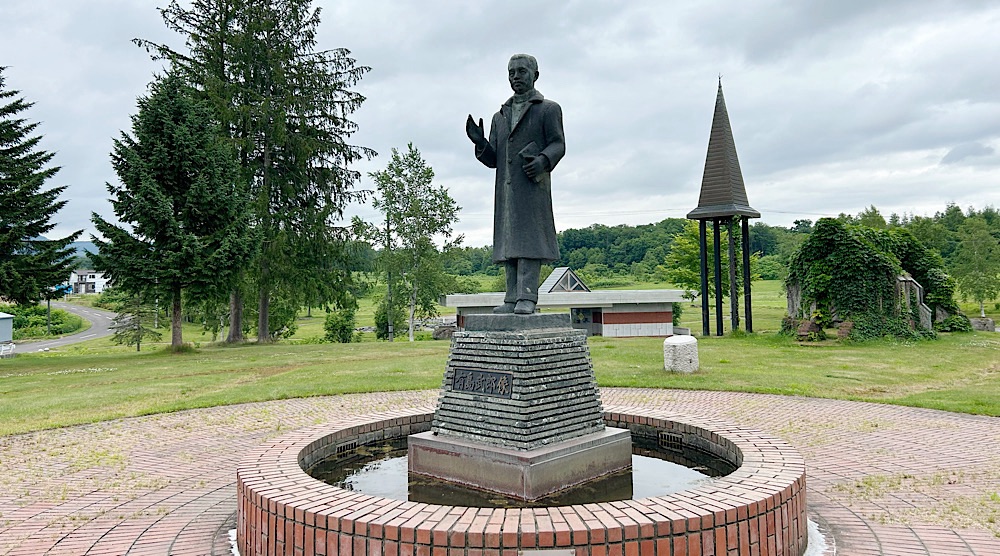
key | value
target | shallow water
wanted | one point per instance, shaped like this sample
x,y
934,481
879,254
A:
x,y
382,471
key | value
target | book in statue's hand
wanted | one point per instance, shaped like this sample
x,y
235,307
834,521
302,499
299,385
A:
x,y
528,153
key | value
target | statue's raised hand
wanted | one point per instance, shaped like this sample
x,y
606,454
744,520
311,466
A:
x,y
475,131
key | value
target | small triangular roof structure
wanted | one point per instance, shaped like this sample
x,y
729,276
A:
x,y
563,279
722,190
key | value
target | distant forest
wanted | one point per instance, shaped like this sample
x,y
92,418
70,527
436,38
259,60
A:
x,y
609,255
603,254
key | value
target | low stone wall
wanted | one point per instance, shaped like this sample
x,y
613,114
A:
x,y
983,324
759,509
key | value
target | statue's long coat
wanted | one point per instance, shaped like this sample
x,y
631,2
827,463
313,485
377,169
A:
x,y
523,224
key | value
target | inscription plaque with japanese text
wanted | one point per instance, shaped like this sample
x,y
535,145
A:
x,y
487,383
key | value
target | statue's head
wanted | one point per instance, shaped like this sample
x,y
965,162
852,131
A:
x,y
522,72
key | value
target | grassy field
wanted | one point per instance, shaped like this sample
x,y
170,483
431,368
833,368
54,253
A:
x,y
95,380
90,384
957,372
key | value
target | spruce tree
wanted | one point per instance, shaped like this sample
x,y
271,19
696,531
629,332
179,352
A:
x,y
188,215
286,107
30,265
133,323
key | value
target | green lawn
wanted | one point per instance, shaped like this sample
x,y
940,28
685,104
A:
x,y
91,384
95,380
956,372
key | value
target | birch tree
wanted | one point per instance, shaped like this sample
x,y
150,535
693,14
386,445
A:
x,y
416,214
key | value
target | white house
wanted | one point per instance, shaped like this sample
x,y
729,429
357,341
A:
x,y
612,313
87,281
6,328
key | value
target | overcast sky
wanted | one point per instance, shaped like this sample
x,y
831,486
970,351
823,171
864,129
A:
x,y
835,105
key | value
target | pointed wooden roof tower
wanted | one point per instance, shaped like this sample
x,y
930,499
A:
x,y
722,191
723,198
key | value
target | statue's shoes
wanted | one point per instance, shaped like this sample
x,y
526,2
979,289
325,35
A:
x,y
524,307
504,309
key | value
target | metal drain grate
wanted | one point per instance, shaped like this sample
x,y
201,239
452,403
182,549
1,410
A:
x,y
671,441
347,447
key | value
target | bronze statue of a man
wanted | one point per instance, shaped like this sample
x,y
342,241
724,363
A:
x,y
526,142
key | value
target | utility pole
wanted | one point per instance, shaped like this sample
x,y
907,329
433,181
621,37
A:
x,y
389,313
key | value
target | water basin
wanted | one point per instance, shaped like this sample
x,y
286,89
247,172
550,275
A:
x,y
381,470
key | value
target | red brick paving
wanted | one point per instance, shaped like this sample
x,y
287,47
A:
x,y
882,479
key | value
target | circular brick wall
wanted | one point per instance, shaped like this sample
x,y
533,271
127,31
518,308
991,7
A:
x,y
759,509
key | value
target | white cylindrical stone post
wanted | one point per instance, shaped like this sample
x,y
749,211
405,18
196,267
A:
x,y
680,354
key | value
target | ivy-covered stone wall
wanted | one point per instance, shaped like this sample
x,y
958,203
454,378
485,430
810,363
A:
x,y
849,273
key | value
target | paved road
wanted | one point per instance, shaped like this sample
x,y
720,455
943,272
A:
x,y
100,326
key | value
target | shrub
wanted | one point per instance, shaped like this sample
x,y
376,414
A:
x,y
183,349
954,323
870,326
112,299
770,267
339,325
465,284
382,321
600,276
30,321
309,340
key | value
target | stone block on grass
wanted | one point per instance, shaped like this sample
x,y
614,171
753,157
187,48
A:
x,y
983,324
680,354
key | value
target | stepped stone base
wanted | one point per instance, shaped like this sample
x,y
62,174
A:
x,y
519,381
519,411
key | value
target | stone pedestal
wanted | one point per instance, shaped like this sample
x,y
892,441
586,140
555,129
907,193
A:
x,y
524,474
519,411
680,354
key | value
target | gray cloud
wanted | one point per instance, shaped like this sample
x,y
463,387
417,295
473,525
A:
x,y
962,153
834,106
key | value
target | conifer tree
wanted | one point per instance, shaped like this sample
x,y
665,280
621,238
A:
x,y
133,323
187,213
286,107
30,265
